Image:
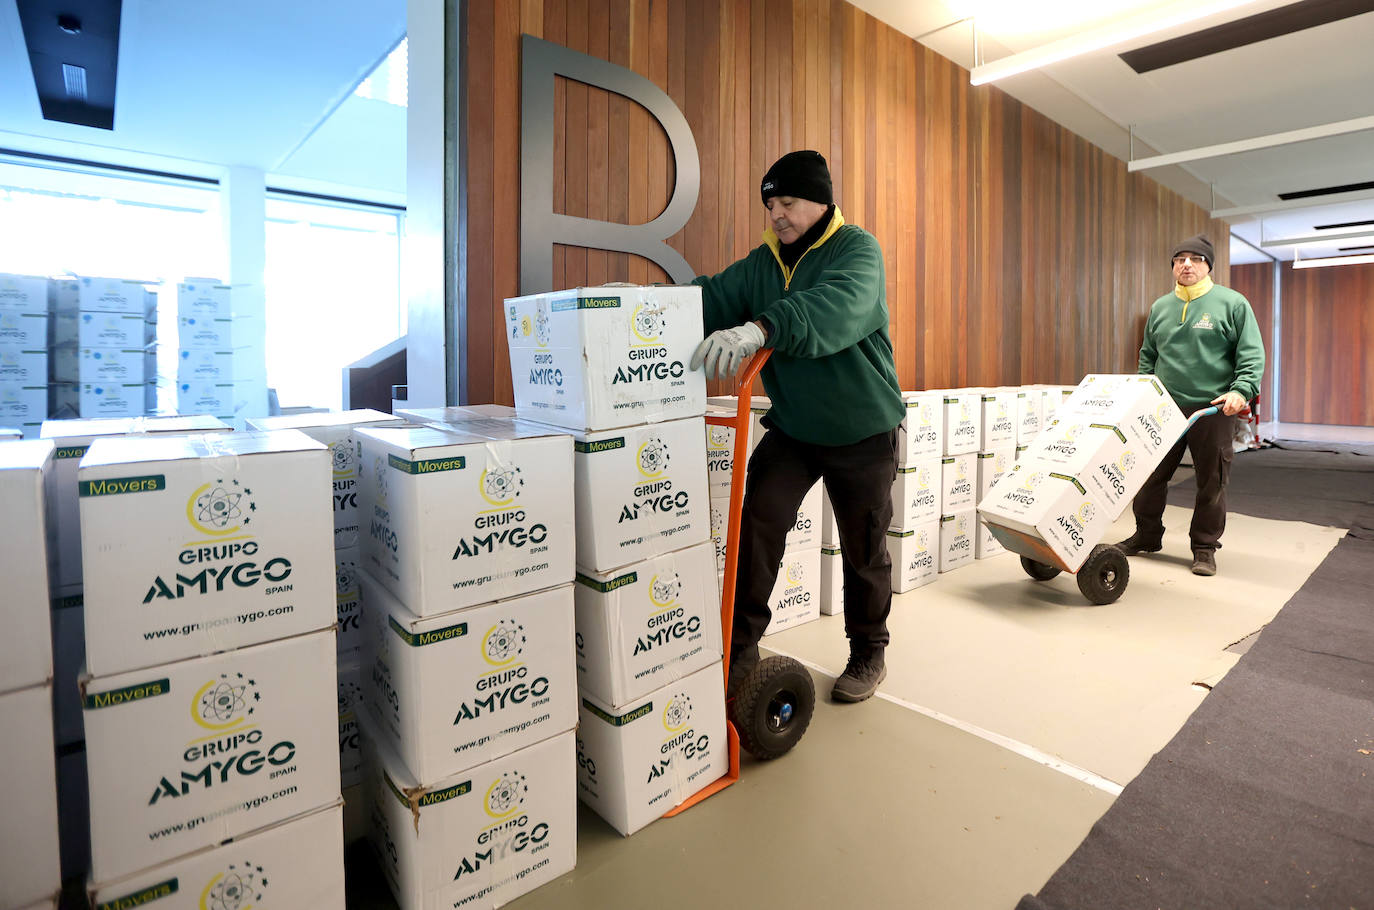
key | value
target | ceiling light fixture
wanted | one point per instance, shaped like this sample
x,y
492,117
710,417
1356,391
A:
x,y
69,23
1113,33
1315,239
1326,261
74,78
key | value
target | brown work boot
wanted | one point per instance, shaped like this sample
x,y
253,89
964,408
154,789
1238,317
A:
x,y
1204,562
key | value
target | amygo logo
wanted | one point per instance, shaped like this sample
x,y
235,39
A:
x,y
654,492
682,738
543,372
922,559
505,523
1024,492
1075,524
238,887
221,511
648,357
345,463
225,707
1114,472
509,683
511,830
668,621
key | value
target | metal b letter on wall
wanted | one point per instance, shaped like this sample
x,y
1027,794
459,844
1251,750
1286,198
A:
x,y
540,226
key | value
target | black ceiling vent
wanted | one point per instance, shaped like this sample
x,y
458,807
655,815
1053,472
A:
x,y
1351,249
1260,27
1343,224
73,48
1328,191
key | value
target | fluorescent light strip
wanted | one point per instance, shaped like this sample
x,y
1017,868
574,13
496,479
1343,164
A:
x,y
1138,26
1306,134
1318,239
1332,260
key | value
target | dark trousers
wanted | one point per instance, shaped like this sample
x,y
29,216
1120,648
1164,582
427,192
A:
x,y
859,480
1209,441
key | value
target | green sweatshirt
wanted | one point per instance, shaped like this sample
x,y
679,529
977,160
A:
x,y
1203,348
831,379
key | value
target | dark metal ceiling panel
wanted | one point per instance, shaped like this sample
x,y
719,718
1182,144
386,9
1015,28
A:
x,y
1260,27
74,73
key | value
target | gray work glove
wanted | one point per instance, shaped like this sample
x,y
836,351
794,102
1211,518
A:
x,y
722,353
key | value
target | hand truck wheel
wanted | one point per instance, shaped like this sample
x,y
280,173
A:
x,y
772,707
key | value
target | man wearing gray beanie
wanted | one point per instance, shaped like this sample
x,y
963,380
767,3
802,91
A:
x,y
1203,344
815,293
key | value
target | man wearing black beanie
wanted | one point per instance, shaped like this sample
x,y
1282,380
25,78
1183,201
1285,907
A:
x,y
815,293
1204,345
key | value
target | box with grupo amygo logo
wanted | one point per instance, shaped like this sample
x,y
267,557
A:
x,y
453,518
198,544
604,357
451,691
1040,512
335,431
636,763
183,756
478,839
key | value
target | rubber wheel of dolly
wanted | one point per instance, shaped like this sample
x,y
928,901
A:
x,y
1105,574
1038,570
773,706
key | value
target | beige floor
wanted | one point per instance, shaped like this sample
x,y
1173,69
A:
x,y
1011,713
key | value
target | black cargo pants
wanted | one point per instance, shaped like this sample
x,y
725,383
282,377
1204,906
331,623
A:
x,y
1209,441
859,479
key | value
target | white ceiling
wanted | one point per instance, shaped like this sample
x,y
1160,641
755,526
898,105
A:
x,y
251,83
1308,78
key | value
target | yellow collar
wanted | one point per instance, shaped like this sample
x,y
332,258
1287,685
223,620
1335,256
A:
x,y
1194,292
774,244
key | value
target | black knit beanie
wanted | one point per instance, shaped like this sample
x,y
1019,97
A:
x,y
1195,244
803,175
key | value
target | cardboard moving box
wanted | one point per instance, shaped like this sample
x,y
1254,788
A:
x,y
26,646
454,518
452,691
297,863
597,358
479,839
915,556
184,756
920,436
198,544
917,493
1039,512
645,626
634,765
796,595
29,862
957,533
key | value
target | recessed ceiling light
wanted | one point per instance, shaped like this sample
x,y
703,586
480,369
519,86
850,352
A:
x,y
74,78
1326,261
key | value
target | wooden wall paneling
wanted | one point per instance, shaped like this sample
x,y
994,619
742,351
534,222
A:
x,y
1256,282
1328,330
480,364
598,137
555,22
577,140
619,173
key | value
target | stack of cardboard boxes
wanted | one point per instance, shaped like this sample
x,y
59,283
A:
x,y
996,454
918,492
23,353
797,595
103,352
210,341
337,432
1081,471
209,691
467,657
610,365
29,861
963,432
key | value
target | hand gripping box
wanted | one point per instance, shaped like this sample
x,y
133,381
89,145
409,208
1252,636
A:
x,y
645,626
198,544
1029,405
597,358
296,863
635,764
452,691
832,581
917,493
72,438
920,436
915,556
26,646
336,431
998,419
958,479
29,869
1038,512
1111,465
957,533
183,756
348,599
479,839
452,518
641,491
796,595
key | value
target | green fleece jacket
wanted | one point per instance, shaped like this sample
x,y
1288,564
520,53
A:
x,y
1203,348
831,379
